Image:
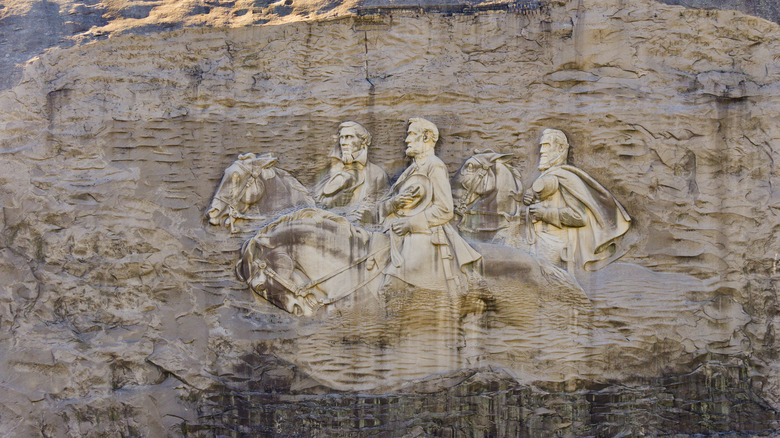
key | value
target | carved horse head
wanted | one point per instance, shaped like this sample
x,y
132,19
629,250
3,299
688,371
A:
x,y
269,273
311,258
486,190
249,180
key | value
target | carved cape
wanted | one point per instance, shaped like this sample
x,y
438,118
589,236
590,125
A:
x,y
591,246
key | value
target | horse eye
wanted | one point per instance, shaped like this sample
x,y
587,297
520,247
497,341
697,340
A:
x,y
470,167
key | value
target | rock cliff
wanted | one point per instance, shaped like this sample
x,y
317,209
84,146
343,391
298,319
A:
x,y
121,314
31,27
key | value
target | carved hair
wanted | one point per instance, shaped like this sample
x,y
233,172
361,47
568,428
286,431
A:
x,y
362,133
558,137
426,126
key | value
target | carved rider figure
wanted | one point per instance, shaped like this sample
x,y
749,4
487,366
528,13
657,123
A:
x,y
574,220
352,181
426,250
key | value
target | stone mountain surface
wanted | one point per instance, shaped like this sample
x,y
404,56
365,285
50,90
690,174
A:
x,y
30,27
120,313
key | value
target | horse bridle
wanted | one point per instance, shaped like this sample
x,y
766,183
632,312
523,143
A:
x,y
462,205
301,290
233,212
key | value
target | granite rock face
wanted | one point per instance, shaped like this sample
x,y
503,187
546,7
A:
x,y
121,314
28,28
762,8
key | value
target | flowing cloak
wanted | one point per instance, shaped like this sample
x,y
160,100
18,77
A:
x,y
433,252
592,246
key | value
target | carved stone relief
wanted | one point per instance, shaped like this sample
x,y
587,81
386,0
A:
x,y
252,188
573,221
412,281
121,294
487,191
570,221
352,182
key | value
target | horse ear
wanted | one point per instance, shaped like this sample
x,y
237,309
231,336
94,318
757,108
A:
x,y
267,173
247,255
503,158
266,160
240,269
495,157
247,156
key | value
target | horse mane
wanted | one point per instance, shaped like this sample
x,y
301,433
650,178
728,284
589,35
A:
x,y
515,173
306,213
293,182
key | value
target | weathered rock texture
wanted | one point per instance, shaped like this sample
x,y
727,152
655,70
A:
x,y
768,9
30,27
120,311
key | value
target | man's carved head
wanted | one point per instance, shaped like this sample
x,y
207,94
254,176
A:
x,y
422,136
353,138
553,149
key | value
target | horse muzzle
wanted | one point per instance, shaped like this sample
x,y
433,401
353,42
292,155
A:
x,y
214,214
258,283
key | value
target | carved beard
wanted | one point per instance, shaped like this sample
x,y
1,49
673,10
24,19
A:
x,y
557,160
349,157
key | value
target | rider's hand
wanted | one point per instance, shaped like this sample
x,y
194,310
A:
x,y
401,227
402,200
357,214
529,197
537,211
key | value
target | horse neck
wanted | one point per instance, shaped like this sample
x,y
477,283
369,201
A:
x,y
507,188
304,243
289,192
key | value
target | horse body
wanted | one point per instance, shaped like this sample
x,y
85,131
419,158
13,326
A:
x,y
486,191
312,258
253,186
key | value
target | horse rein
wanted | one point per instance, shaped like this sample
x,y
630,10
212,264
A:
x,y
302,289
462,206
233,212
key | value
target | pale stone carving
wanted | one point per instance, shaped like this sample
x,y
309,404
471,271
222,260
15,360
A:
x,y
252,188
117,305
427,251
284,261
574,221
423,248
486,191
311,258
352,181
420,247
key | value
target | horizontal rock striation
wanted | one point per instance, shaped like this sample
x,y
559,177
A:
x,y
121,314
29,28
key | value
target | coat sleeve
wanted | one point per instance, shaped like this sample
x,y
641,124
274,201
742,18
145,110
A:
x,y
379,185
440,210
571,215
